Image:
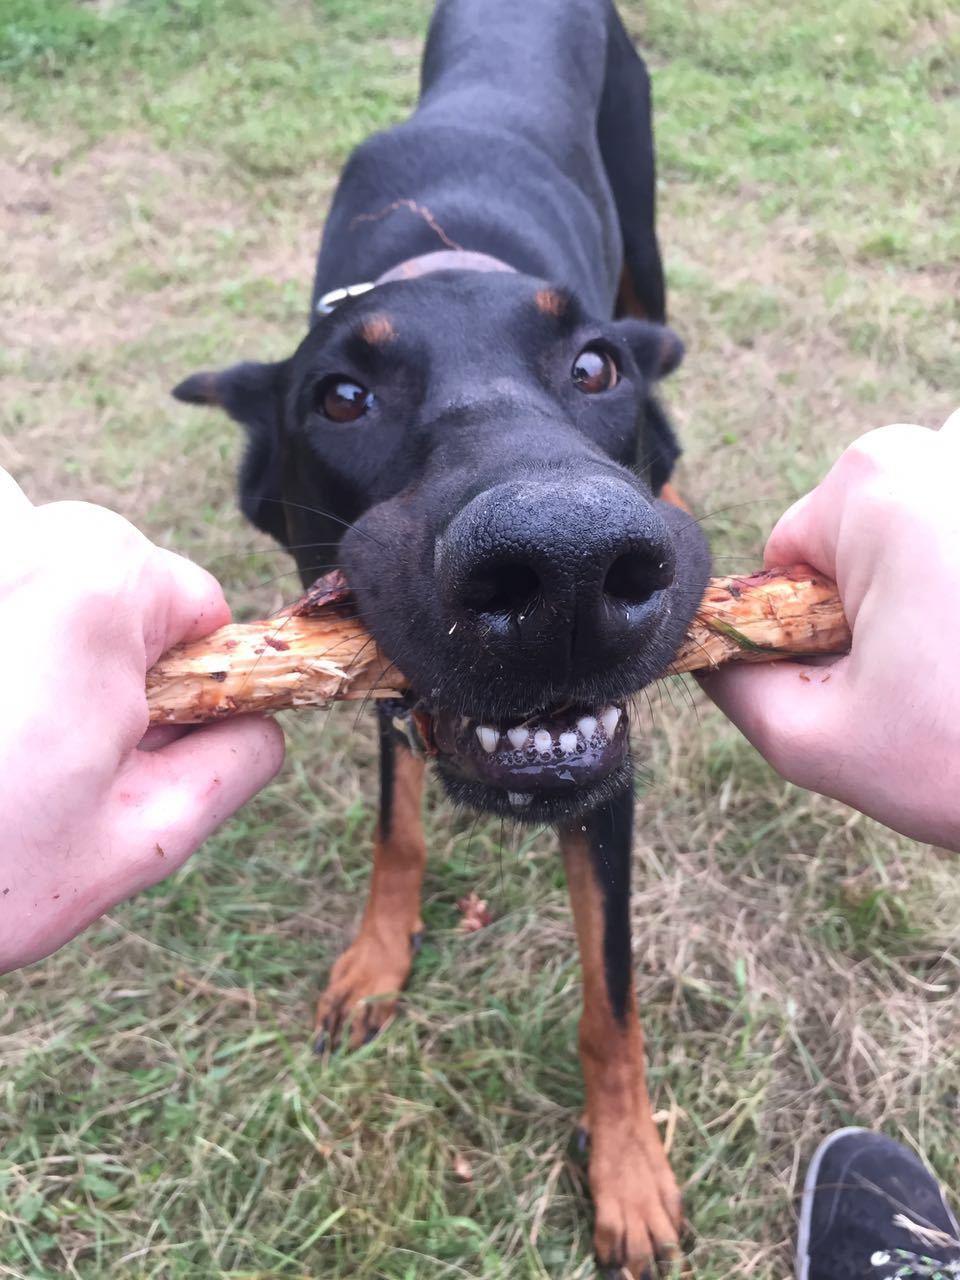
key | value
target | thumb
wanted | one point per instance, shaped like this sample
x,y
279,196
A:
x,y
184,602
803,536
165,803
785,709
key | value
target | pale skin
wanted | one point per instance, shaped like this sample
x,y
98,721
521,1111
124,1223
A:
x,y
880,728
92,807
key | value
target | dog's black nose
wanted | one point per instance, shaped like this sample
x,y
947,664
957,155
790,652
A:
x,y
570,572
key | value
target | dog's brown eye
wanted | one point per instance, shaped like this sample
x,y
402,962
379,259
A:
x,y
593,371
341,400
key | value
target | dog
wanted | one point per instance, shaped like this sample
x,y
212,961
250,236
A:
x,y
470,430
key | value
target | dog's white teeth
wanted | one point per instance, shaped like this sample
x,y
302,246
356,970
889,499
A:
x,y
464,723
518,737
587,726
518,799
542,740
568,742
610,718
488,737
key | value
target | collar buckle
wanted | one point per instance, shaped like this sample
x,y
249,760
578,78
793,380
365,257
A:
x,y
331,300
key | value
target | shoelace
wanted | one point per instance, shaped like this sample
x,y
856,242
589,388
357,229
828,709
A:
x,y
914,1266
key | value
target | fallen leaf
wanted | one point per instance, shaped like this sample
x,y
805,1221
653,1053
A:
x,y
475,913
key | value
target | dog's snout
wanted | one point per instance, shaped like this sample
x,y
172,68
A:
x,y
569,572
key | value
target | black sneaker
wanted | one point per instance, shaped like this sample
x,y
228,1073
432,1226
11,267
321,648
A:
x,y
872,1211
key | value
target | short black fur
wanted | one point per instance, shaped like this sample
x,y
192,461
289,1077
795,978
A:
x,y
532,142
610,839
388,756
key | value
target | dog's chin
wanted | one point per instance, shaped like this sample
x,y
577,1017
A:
x,y
548,767
541,809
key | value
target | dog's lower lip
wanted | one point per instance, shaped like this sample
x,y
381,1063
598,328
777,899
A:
x,y
546,754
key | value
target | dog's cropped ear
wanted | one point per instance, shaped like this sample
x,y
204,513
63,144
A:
x,y
656,348
252,394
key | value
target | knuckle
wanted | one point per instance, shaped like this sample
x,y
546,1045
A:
x,y
84,521
897,453
890,477
93,550
892,443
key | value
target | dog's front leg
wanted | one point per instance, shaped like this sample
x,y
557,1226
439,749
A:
x,y
361,994
637,1204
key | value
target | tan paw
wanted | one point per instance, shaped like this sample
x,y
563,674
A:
x,y
637,1204
361,996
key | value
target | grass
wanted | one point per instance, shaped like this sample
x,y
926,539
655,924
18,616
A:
x,y
164,170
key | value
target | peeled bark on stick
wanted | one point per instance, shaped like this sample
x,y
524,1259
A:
x,y
779,613
317,652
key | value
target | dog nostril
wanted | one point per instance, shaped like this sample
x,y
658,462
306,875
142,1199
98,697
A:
x,y
634,577
503,588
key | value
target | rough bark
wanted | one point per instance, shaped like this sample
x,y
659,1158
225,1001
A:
x,y
317,652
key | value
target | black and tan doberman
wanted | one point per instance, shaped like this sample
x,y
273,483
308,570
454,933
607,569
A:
x,y
470,431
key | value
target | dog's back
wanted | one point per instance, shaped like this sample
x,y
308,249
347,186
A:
x,y
552,174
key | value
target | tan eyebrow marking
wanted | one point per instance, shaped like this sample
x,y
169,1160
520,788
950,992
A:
x,y
378,329
550,301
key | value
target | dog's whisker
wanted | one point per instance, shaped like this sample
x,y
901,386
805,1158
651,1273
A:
x,y
683,686
319,511
250,552
368,696
736,506
500,855
366,699
750,560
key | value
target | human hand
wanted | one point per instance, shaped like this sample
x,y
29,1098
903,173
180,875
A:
x,y
880,728
87,817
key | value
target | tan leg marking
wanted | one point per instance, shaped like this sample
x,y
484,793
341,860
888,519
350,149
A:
x,y
635,1195
367,977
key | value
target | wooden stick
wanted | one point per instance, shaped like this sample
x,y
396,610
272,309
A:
x,y
780,613
316,652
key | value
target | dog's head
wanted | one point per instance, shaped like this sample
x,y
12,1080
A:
x,y
481,457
